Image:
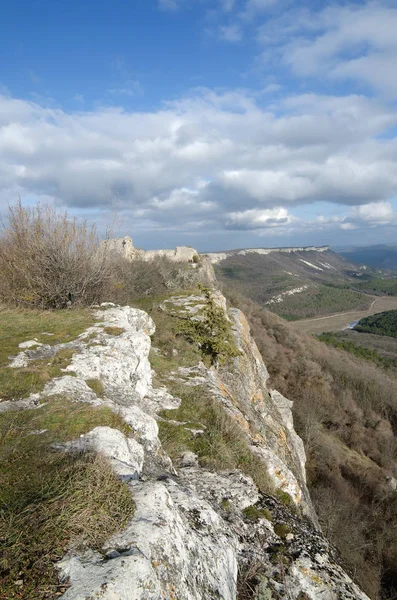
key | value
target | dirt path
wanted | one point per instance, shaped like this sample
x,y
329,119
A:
x,y
341,320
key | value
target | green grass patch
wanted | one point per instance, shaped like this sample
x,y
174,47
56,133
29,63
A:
x,y
285,499
253,514
19,383
51,501
18,325
97,386
222,445
282,530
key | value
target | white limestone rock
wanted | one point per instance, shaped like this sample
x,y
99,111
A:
x,y
29,344
120,362
125,454
176,547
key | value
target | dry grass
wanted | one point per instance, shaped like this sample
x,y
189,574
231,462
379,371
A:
x,y
51,501
114,330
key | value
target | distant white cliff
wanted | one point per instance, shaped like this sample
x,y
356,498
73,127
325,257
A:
x,y
216,257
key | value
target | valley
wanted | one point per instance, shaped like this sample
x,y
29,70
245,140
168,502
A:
x,y
315,287
339,322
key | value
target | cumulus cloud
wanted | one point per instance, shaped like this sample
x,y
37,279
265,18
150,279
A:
x,y
260,219
342,42
207,162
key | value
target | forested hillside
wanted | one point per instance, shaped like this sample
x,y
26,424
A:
x,y
345,409
384,323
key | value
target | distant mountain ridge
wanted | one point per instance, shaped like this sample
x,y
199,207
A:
x,y
216,257
377,257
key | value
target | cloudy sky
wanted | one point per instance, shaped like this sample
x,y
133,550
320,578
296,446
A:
x,y
214,123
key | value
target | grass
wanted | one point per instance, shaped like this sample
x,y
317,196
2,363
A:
x,y
253,514
51,501
114,330
20,382
282,530
18,325
222,446
97,386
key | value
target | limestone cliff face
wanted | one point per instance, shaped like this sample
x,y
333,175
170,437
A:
x,y
265,415
192,536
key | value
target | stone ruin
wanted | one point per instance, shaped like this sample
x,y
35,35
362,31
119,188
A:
x,y
125,247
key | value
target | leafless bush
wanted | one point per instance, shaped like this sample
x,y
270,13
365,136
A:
x,y
48,260
141,279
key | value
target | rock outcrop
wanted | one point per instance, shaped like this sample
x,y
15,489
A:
x,y
216,257
195,534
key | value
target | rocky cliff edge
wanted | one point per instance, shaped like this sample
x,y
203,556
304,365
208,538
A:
x,y
197,533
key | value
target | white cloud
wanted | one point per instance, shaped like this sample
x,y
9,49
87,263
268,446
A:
x,y
215,161
375,212
259,219
230,33
356,42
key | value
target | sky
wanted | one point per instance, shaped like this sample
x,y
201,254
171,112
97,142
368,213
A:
x,y
213,123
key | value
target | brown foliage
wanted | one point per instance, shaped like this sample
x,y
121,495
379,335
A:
x,y
345,409
48,260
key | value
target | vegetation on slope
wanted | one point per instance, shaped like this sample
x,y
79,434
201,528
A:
x,y
345,410
337,340
381,324
51,501
378,285
211,332
221,445
48,260
322,291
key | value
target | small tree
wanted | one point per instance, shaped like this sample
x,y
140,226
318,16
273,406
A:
x,y
48,260
212,332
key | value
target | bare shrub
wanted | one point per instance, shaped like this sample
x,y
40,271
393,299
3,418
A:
x,y
138,279
48,260
144,279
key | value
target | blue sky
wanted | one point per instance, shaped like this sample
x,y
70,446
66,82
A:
x,y
219,124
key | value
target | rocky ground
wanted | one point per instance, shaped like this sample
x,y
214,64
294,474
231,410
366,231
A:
x,y
197,532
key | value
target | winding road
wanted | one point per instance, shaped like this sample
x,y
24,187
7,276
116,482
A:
x,y
340,321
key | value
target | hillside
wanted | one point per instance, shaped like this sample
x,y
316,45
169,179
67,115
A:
x,y
297,284
148,448
384,323
345,409
184,482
